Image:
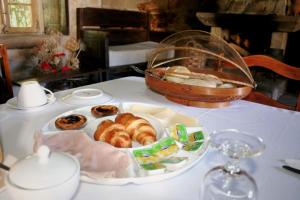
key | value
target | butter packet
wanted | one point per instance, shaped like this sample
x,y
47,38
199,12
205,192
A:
x,y
173,163
179,133
196,136
192,146
165,147
145,156
153,168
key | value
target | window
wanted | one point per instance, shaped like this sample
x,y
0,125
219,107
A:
x,y
20,16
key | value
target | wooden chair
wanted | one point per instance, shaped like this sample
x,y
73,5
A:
x,y
278,67
6,91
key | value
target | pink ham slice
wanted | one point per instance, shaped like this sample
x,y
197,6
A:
x,y
96,158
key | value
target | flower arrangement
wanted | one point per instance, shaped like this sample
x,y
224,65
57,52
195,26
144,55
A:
x,y
57,53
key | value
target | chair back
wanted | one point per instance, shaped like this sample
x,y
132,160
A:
x,y
6,91
278,67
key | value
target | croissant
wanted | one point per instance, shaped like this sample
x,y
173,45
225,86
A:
x,y
112,133
139,129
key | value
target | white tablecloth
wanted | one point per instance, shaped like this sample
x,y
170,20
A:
x,y
279,128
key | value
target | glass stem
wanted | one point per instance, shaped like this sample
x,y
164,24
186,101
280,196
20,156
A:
x,y
232,166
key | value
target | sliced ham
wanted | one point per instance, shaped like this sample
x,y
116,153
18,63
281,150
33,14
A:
x,y
94,157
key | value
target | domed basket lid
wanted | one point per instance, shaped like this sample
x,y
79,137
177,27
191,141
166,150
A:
x,y
43,170
200,55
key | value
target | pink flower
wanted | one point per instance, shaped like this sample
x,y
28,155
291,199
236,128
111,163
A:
x,y
45,66
65,68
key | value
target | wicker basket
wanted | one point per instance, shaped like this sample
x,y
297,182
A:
x,y
196,58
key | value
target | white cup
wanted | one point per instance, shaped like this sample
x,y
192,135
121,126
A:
x,y
32,94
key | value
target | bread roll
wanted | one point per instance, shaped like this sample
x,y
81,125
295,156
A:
x,y
182,75
200,82
175,72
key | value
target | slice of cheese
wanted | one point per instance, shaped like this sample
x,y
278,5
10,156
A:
x,y
166,116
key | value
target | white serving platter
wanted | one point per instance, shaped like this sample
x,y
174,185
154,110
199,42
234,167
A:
x,y
135,173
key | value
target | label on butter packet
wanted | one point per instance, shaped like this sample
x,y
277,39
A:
x,y
196,136
192,146
165,147
179,133
145,156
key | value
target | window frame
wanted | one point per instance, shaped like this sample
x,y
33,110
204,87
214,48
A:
x,y
37,21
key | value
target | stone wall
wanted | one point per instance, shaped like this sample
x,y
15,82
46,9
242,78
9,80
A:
x,y
20,58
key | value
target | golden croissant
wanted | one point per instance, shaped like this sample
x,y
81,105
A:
x,y
113,133
139,129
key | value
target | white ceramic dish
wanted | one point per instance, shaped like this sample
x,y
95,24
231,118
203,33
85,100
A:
x,y
44,175
13,103
88,96
134,173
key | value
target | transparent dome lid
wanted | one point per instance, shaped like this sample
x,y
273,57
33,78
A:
x,y
199,58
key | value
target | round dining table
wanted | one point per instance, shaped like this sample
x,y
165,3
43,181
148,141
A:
x,y
279,129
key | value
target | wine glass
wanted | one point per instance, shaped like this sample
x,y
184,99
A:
x,y
229,182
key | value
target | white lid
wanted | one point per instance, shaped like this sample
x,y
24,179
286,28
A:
x,y
87,93
74,99
43,170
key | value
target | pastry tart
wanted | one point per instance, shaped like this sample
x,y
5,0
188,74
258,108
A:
x,y
104,110
74,121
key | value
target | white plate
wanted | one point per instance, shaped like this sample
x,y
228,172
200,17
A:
x,y
134,174
13,103
88,96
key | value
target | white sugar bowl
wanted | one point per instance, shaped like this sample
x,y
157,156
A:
x,y
45,175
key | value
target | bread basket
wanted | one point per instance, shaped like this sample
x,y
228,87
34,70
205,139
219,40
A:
x,y
198,69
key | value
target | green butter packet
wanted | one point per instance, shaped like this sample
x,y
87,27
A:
x,y
153,166
143,152
192,146
196,136
165,147
179,133
144,156
182,133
